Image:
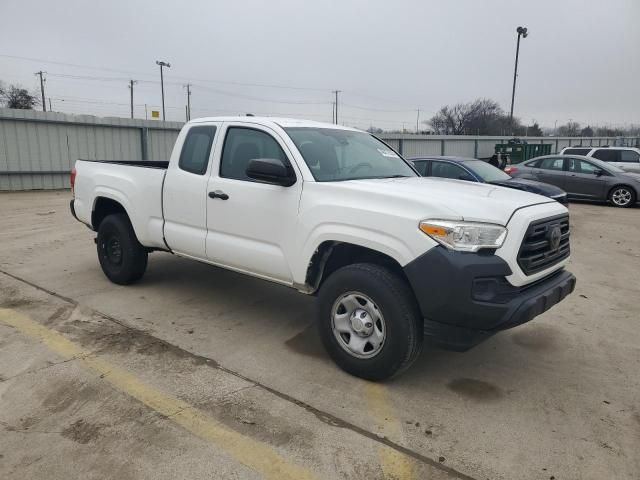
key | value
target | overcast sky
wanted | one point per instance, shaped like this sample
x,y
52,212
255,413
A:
x,y
581,60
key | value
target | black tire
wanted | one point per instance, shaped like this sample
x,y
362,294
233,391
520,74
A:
x,y
122,258
615,196
402,320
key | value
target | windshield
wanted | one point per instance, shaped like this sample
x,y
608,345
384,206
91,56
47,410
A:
x,y
334,155
487,172
607,167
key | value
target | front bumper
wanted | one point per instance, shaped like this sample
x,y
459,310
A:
x,y
465,298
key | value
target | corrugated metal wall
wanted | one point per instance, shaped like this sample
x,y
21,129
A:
x,y
483,147
38,149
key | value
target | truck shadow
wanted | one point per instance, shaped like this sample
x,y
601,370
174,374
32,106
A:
x,y
286,318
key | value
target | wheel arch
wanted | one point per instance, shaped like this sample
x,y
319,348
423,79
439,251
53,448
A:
x,y
104,206
332,255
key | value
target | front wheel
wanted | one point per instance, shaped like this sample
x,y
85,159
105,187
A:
x,y
622,196
369,321
122,258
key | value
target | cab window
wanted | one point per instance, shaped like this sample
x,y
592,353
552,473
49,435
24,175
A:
x,y
194,156
242,145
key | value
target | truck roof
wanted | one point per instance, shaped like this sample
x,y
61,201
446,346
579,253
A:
x,y
271,121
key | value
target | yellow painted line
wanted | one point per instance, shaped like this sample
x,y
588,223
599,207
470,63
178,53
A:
x,y
255,455
395,464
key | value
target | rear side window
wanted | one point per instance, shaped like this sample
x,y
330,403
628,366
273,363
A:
x,y
606,155
552,163
446,170
629,156
194,156
576,151
421,167
534,164
243,145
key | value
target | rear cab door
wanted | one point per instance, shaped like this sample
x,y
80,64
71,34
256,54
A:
x,y
184,195
251,225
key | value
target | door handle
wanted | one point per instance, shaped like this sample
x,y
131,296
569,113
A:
x,y
219,194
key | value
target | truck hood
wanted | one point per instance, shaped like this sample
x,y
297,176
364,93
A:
x,y
456,199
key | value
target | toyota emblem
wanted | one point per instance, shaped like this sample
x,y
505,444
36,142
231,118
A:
x,y
554,238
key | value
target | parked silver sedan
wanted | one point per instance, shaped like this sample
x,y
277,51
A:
x,y
585,178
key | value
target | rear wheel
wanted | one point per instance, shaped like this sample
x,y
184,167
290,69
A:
x,y
622,196
369,321
122,258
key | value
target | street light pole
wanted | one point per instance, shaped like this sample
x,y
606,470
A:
x,y
168,65
522,32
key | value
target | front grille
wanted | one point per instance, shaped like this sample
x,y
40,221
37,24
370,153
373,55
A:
x,y
538,250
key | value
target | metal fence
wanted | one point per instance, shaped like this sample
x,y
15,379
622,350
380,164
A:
x,y
38,149
483,147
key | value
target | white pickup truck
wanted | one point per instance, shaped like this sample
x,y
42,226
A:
x,y
334,212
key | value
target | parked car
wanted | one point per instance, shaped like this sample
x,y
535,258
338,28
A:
x,y
334,212
626,158
582,177
475,170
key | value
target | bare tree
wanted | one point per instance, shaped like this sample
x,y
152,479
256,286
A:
x,y
480,117
15,96
587,132
570,129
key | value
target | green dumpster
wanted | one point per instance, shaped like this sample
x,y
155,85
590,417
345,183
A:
x,y
519,150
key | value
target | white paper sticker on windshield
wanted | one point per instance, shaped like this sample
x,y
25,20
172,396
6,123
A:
x,y
387,153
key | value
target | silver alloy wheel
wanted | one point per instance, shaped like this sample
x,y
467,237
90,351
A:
x,y
358,325
621,196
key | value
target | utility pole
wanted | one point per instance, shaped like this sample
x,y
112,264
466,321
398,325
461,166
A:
x,y
188,111
418,121
336,92
40,74
168,65
522,32
131,84
50,108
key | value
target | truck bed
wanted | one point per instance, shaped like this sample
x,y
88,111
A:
x,y
134,184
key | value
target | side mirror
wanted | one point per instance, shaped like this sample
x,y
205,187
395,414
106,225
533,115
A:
x,y
598,172
271,170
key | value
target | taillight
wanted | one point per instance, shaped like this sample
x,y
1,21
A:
x,y
72,179
509,170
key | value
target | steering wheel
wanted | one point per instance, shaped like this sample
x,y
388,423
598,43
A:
x,y
359,166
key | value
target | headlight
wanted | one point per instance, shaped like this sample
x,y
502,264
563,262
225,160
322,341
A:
x,y
464,236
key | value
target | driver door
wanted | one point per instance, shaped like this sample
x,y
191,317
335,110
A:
x,y
250,225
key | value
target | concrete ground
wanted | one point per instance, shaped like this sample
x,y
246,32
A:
x,y
198,372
